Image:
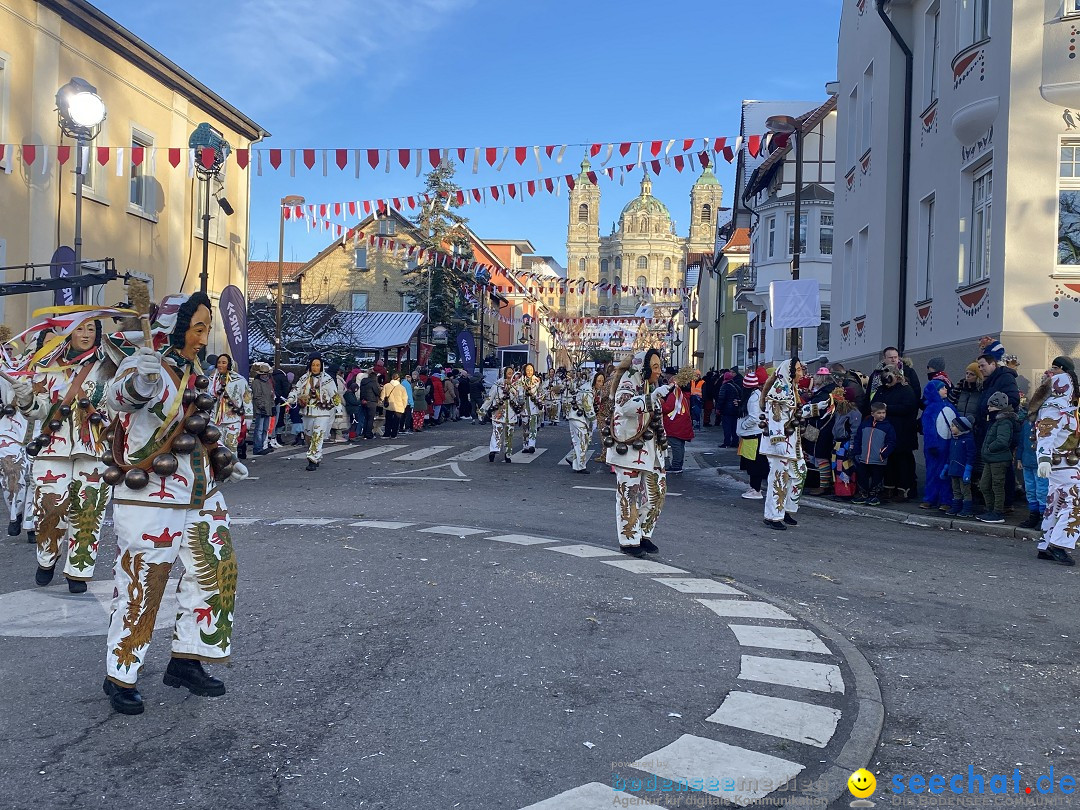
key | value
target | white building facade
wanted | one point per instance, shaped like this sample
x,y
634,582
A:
x,y
992,242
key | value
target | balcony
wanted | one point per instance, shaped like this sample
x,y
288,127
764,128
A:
x,y
975,104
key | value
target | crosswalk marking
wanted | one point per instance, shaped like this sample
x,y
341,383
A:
x,y
794,720
643,567
593,796
456,531
585,550
374,451
522,539
786,672
304,522
382,524
475,453
692,585
527,458
237,521
778,638
708,761
423,452
326,451
741,609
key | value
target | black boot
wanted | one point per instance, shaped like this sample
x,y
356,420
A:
x,y
507,459
31,537
44,575
76,586
241,453
649,547
311,466
190,674
633,551
1034,520
125,699
778,525
790,521
491,456
14,528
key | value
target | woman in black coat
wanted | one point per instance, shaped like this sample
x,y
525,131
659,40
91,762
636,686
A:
x,y
819,452
464,389
902,403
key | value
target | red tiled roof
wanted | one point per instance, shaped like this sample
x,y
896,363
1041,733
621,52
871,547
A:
x,y
739,241
261,275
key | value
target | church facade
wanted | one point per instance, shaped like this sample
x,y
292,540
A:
x,y
642,251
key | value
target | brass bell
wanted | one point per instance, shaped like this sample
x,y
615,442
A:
x,y
96,418
188,396
220,457
212,434
9,410
136,478
638,445
108,459
55,425
621,449
196,423
84,403
202,382
204,402
65,411
44,440
113,476
33,448
184,443
224,473
165,464
647,434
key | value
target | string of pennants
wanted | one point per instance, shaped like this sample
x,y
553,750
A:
x,y
532,283
322,215
494,157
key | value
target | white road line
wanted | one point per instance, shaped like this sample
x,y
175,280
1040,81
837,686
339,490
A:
x,y
522,539
374,451
381,524
326,451
691,585
643,567
742,609
423,452
717,766
235,521
786,672
414,478
304,522
456,531
593,796
477,452
527,458
778,717
778,638
584,550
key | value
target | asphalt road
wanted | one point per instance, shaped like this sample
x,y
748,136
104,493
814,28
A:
x,y
396,667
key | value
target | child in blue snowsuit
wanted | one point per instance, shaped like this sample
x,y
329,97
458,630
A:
x,y
1034,487
937,420
959,468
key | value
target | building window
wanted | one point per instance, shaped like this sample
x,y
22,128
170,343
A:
x,y
852,127
982,209
387,227
603,310
583,213
642,285
981,26
770,237
823,331
642,262
581,266
617,286
933,52
825,234
667,282
787,339
360,259
862,272
847,273
1068,253
604,266
867,115
141,190
1072,7
791,234
618,263
706,213
926,249
615,310
738,351
359,302
667,265
217,218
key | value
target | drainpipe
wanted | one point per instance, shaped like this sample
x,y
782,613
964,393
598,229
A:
x,y
905,183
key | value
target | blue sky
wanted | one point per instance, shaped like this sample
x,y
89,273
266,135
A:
x,y
448,73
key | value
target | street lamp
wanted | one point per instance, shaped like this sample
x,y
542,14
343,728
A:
x,y
789,125
676,343
286,202
81,113
207,166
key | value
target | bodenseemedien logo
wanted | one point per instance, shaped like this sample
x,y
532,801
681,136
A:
x,y
862,785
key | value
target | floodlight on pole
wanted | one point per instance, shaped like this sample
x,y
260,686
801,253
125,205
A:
x,y
290,201
211,151
81,113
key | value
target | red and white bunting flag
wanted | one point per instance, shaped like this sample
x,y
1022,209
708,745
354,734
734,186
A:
x,y
719,144
373,158
548,150
656,167
753,145
341,158
63,154
531,187
459,197
477,194
594,150
309,158
491,154
679,163
275,157
494,192
404,155
624,148
520,153
243,156
434,158
655,147
570,181
461,152
511,190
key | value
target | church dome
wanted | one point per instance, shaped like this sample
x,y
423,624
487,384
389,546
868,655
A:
x,y
646,203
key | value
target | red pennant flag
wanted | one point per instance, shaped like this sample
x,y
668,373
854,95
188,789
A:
x,y
570,181
397,203
477,194
62,154
494,192
411,202
29,152
549,150
3,148
624,148
753,145
322,210
275,157
373,158
719,144
243,156
656,147
403,157
103,155
491,153
532,187
679,163
434,157
206,157
704,158
286,212
656,167
592,177
137,155
687,145
610,172
461,152
309,158
352,208
594,150
341,158
511,190
337,209
520,153
729,154
550,184
367,206
459,197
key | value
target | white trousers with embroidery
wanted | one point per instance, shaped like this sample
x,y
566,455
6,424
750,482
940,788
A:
x,y
502,438
581,435
230,433
639,497
531,429
786,476
14,479
1061,521
149,540
69,503
317,429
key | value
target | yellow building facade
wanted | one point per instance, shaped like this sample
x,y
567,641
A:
x,y
147,217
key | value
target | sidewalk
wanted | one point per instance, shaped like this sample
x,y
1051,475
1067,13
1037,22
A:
x,y
727,463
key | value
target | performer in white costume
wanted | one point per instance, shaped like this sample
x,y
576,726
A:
x,y
781,441
583,422
505,402
319,400
168,463
636,446
1058,445
232,400
533,411
14,463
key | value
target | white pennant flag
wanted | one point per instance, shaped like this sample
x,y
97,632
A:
x,y
258,162
562,151
119,161
607,156
539,165
356,165
419,161
476,160
506,151
191,163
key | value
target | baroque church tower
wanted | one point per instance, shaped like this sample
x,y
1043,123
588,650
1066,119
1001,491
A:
x,y
706,198
583,243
